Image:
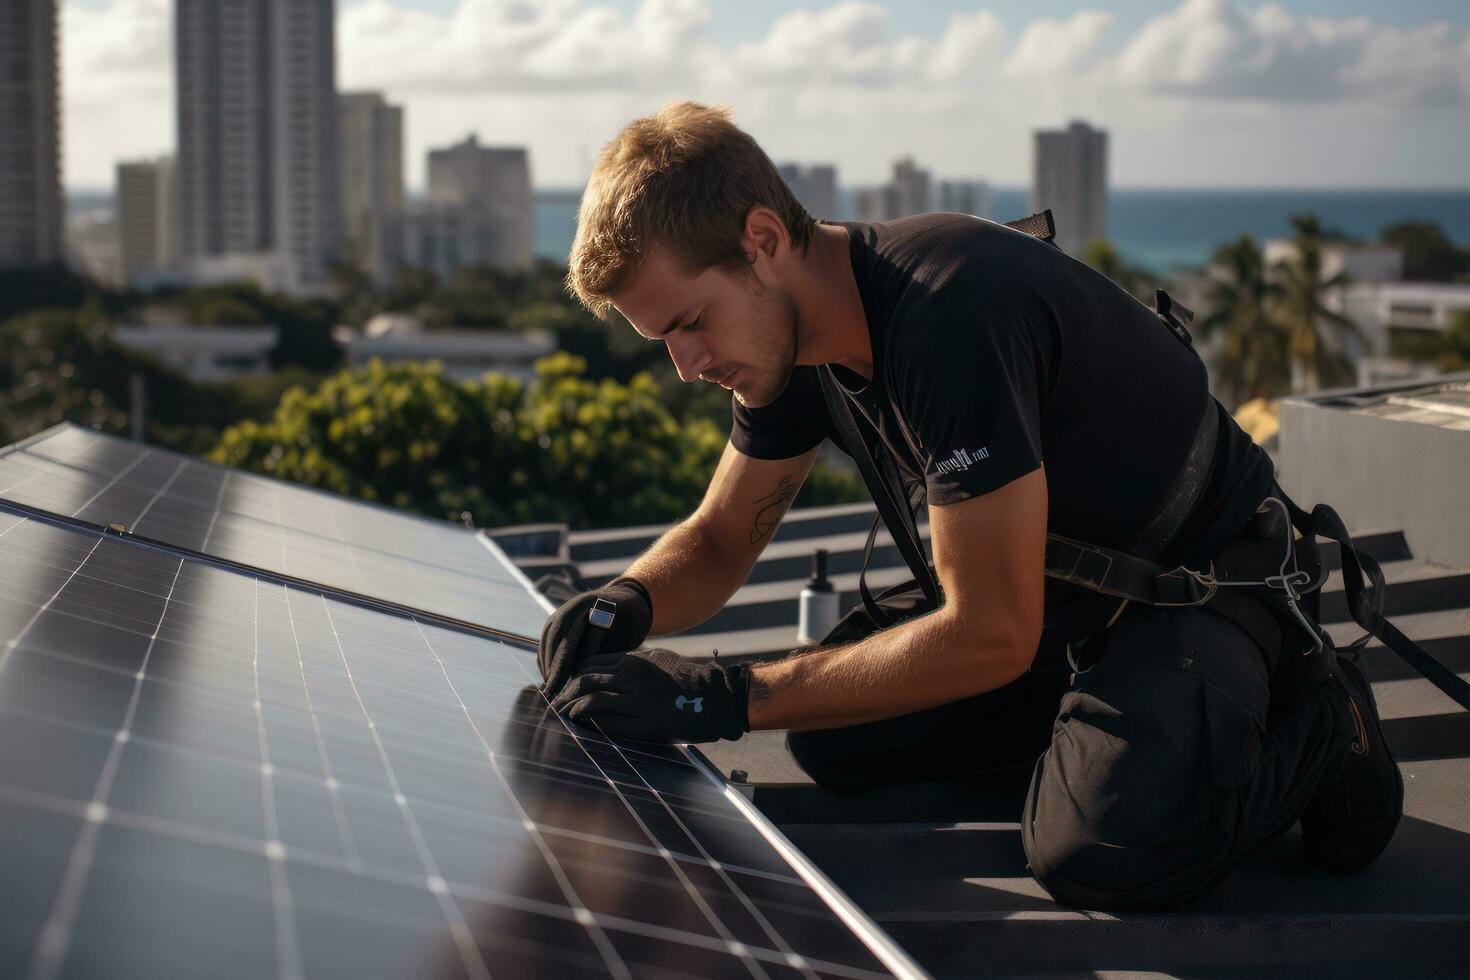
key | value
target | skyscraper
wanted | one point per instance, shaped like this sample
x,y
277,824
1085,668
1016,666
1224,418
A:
x,y
1070,176
815,187
965,197
909,192
147,218
257,133
493,181
31,204
370,157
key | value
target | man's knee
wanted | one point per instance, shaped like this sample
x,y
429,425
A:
x,y
829,758
1080,869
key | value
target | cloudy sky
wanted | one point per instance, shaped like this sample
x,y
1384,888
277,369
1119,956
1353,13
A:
x,y
1196,93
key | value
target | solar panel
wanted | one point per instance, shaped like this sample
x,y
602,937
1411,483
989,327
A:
x,y
273,525
210,772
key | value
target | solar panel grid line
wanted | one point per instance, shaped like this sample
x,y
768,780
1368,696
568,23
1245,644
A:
x,y
469,952
14,641
789,956
579,909
56,932
288,945
793,958
778,941
332,786
879,942
694,894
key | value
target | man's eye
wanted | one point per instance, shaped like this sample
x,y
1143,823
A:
x,y
693,324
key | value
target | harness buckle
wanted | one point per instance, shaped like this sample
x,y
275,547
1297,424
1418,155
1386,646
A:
x,y
1206,579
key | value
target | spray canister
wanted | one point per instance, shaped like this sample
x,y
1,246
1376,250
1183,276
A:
x,y
818,603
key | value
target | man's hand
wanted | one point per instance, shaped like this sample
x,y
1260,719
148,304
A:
x,y
571,634
656,694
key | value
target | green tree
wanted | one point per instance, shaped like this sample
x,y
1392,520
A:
x,y
1102,256
592,453
1256,360
407,291
1450,350
63,366
1428,252
1316,332
305,324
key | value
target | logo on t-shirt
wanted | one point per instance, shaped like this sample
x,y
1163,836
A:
x,y
961,460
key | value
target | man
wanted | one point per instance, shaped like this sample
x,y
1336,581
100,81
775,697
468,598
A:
x,y
1022,393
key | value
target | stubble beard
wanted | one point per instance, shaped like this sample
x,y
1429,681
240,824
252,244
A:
x,y
777,360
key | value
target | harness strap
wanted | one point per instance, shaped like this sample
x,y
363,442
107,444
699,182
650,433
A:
x,y
1365,601
884,485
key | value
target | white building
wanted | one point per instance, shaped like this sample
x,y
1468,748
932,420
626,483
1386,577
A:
x,y
1390,313
147,220
493,182
1362,263
370,158
257,136
32,209
466,355
965,197
1070,176
814,186
203,353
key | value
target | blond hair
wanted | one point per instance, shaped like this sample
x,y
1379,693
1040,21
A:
x,y
683,179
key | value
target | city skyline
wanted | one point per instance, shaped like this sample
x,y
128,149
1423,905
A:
x,y
1199,93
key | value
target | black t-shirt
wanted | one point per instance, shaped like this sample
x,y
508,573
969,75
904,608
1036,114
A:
x,y
994,352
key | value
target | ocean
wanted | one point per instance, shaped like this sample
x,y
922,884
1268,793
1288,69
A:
x,y
1156,229
1161,229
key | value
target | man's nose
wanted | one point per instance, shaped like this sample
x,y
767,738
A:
x,y
689,356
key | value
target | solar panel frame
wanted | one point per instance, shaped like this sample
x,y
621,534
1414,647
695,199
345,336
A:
x,y
668,793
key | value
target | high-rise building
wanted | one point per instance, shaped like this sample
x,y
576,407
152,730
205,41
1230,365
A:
x,y
147,219
815,187
32,215
370,157
965,196
909,192
912,189
257,133
1070,176
493,181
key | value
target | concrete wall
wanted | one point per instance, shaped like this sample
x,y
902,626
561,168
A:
x,y
1382,474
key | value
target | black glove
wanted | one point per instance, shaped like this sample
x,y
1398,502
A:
x,y
571,635
657,694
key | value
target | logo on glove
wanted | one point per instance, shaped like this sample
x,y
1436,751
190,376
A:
x,y
681,702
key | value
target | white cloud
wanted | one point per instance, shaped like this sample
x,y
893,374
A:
x,y
1051,47
846,81
1216,49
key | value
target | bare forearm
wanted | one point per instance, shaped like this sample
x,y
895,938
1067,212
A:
x,y
923,663
687,577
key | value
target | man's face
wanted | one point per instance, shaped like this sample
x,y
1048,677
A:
x,y
720,325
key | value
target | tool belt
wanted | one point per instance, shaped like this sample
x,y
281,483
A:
x,y
1276,561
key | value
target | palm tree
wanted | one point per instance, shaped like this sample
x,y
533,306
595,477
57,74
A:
x,y
1256,360
1317,333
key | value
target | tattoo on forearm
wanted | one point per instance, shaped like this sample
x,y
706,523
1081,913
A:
x,y
772,506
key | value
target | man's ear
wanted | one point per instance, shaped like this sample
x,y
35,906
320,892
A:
x,y
764,233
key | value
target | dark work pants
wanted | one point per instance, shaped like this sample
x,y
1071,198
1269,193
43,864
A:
x,y
1156,771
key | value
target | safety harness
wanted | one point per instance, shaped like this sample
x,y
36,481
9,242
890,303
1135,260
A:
x,y
1285,571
